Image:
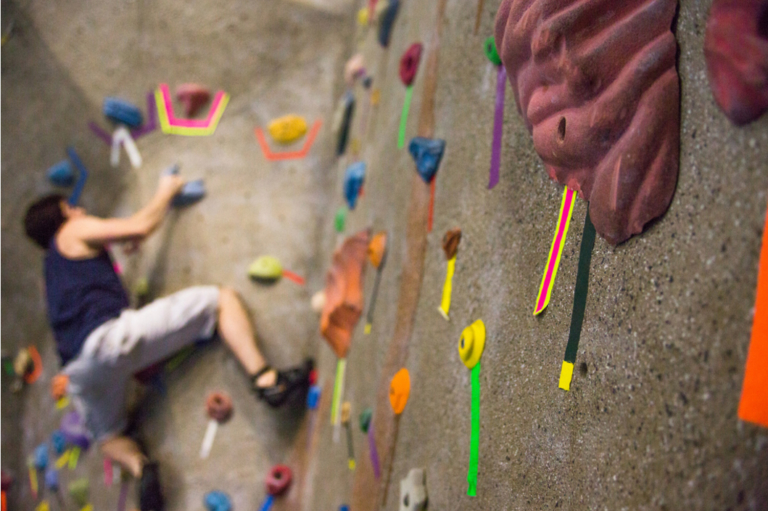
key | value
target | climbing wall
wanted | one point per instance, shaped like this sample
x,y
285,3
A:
x,y
650,419
272,58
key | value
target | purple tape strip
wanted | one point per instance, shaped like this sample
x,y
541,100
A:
x,y
498,127
147,127
374,452
123,496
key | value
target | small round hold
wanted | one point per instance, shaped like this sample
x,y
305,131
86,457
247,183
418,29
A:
x,y
489,47
400,390
217,501
265,268
472,343
279,479
365,419
409,63
218,406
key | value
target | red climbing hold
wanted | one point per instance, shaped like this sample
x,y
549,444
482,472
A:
x,y
193,97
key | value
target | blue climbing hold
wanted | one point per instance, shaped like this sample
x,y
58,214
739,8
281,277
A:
x,y
427,152
62,174
52,479
387,21
191,192
217,501
122,112
353,182
41,456
313,397
59,442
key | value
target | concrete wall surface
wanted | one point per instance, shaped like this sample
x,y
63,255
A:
x,y
650,421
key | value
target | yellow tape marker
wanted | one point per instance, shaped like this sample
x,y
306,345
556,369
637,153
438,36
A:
x,y
33,480
566,374
73,457
445,305
63,459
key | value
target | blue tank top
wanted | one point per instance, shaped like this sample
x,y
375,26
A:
x,y
82,294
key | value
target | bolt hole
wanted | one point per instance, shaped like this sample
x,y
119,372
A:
x,y
406,501
561,130
583,368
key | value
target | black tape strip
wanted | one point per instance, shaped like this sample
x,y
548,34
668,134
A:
x,y
580,292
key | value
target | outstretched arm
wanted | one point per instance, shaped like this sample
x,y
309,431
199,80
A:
x,y
96,232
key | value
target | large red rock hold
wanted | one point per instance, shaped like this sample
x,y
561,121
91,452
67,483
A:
x,y
596,83
736,49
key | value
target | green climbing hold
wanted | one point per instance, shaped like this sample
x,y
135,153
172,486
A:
x,y
341,219
265,268
78,490
489,47
365,419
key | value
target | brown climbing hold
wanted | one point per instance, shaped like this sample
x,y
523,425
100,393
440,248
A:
x,y
344,293
218,406
736,49
451,241
193,97
600,94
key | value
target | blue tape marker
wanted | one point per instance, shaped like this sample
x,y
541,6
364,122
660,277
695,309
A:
x,y
78,163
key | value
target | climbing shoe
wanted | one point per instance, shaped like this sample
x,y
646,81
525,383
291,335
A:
x,y
289,382
150,494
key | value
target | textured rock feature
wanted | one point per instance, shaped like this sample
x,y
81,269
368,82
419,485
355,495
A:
x,y
344,293
596,83
736,49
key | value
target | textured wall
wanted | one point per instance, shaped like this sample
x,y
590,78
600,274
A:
x,y
273,58
650,422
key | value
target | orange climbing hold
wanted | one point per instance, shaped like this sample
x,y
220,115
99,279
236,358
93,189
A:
x,y
754,392
400,390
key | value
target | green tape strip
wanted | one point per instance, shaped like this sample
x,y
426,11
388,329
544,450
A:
x,y
341,365
474,442
580,292
404,117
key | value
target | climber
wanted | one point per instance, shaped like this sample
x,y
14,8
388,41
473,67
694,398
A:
x,y
102,342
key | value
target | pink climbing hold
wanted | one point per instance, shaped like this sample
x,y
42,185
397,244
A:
x,y
193,97
736,50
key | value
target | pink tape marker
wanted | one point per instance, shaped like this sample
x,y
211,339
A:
x,y
555,251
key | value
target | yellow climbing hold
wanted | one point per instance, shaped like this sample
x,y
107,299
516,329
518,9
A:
x,y
288,128
265,268
472,343
362,17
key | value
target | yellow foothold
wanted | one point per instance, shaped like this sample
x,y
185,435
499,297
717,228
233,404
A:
x,y
287,129
367,330
566,374
265,268
472,343
375,97
352,465
362,17
62,403
43,506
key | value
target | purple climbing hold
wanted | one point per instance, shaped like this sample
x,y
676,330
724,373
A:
x,y
74,431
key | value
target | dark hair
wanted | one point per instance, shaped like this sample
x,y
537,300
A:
x,y
43,219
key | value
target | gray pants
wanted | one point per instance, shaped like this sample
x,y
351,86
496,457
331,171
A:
x,y
116,350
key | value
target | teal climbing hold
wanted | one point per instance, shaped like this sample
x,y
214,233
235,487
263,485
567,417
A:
x,y
427,153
